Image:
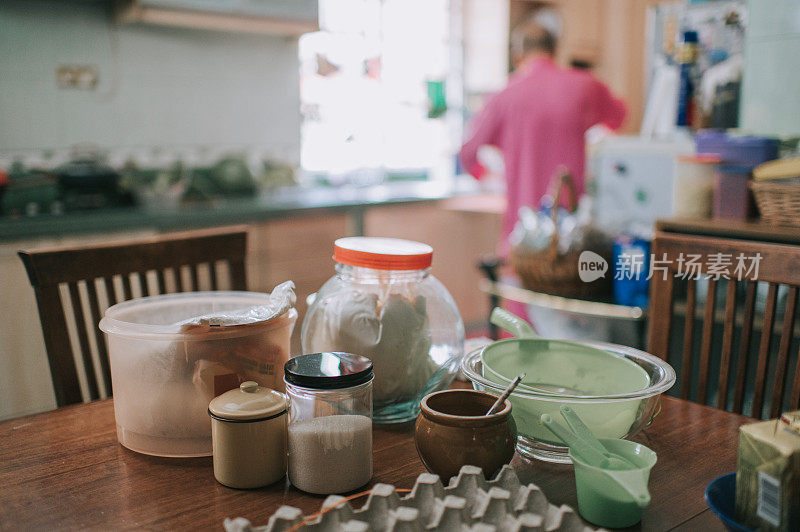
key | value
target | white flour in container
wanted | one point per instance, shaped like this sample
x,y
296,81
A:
x,y
330,454
393,331
162,388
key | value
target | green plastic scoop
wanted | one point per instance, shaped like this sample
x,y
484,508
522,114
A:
x,y
587,451
617,503
583,432
614,498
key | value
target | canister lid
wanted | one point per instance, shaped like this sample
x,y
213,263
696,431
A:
x,y
733,168
328,371
382,253
248,402
700,158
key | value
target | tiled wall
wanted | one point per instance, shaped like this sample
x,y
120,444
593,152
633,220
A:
x,y
158,86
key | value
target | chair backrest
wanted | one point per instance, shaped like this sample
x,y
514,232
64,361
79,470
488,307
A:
x,y
755,276
70,283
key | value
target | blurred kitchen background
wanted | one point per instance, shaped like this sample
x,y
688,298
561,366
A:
x,y
315,119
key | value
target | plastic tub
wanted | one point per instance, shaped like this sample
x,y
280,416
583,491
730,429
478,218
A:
x,y
164,376
693,188
733,199
749,151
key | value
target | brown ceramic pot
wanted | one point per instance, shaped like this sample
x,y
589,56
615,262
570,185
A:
x,y
452,430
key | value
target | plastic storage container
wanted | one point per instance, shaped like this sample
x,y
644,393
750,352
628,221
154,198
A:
x,y
330,428
164,375
733,199
749,151
383,303
693,189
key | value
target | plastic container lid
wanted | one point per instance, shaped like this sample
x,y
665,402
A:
x,y
750,151
382,253
248,402
328,371
720,138
731,168
709,158
155,317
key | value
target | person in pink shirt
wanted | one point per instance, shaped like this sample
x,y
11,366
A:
x,y
538,122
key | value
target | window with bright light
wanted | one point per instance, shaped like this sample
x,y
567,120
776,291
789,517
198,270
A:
x,y
380,90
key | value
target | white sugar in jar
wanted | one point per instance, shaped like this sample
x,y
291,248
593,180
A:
x,y
330,422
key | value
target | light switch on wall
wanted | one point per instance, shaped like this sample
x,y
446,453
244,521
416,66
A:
x,y
82,77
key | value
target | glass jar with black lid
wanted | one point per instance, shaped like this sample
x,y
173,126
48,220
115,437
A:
x,y
330,421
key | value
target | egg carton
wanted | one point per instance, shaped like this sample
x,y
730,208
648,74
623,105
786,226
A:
x,y
468,504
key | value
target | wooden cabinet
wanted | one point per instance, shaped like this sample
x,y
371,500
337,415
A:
x,y
622,63
298,249
582,39
301,249
606,35
458,234
581,22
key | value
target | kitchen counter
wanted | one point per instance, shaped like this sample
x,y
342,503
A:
x,y
278,204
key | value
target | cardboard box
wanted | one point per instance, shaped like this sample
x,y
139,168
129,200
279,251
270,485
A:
x,y
768,477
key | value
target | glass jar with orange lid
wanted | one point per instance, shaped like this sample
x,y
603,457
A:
x,y
383,303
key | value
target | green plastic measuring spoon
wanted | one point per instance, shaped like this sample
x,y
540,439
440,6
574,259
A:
x,y
583,432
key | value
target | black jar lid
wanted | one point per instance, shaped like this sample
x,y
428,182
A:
x,y
328,371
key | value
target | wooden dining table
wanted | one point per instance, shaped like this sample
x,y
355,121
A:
x,y
64,469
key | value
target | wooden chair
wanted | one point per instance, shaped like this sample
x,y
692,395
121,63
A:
x,y
732,357
119,271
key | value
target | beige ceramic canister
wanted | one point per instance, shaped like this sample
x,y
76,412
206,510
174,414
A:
x,y
248,433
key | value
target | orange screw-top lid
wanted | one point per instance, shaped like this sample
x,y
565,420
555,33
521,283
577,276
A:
x,y
382,253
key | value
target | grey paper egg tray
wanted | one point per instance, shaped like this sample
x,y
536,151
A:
x,y
468,503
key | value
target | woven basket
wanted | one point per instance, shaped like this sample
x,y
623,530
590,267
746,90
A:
x,y
551,272
778,201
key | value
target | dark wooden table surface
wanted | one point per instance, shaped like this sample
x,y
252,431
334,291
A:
x,y
65,470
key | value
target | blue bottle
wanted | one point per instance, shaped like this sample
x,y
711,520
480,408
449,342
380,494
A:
x,y
687,58
631,268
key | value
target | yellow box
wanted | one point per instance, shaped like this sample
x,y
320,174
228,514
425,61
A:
x,y
768,477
